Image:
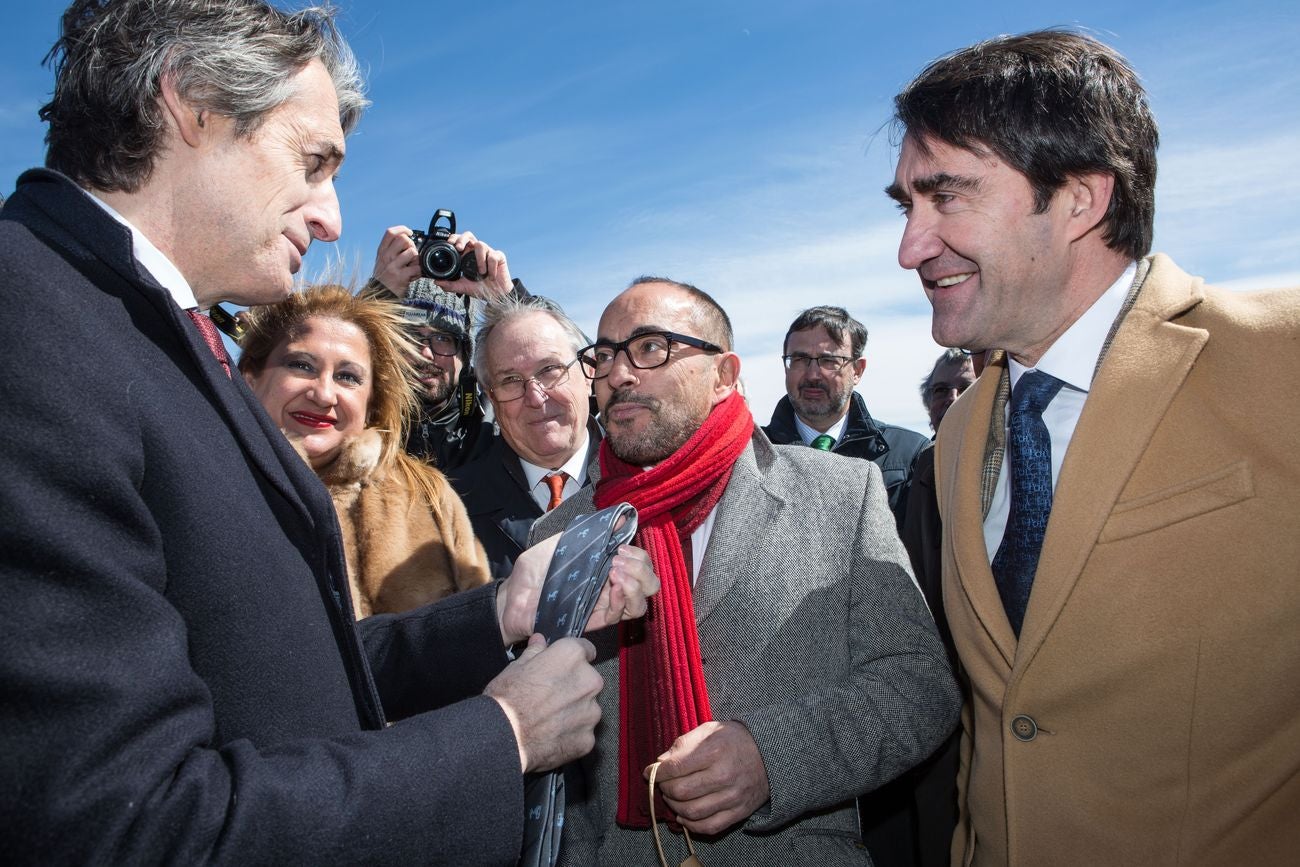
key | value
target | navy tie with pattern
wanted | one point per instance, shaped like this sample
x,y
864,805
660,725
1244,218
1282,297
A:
x,y
1029,460
579,568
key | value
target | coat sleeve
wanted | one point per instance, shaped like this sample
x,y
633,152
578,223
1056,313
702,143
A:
x,y
897,702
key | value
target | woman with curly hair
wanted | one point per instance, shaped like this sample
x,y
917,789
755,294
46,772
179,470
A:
x,y
333,370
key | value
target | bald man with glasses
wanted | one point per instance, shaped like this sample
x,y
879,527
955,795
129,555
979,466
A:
x,y
789,663
823,363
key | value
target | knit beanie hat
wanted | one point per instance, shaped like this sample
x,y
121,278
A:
x,y
426,304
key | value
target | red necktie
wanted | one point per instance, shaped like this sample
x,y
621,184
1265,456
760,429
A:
x,y
555,481
211,337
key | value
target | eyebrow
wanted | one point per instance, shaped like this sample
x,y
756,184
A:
x,y
636,332
931,183
330,152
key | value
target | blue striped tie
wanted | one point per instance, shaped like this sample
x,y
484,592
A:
x,y
1029,459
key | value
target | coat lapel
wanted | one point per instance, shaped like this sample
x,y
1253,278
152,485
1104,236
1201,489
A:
x,y
960,483
264,444
745,505
1139,377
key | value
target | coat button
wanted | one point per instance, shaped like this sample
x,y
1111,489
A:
x,y
1024,728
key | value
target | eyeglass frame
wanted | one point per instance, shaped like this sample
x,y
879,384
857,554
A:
x,y
526,380
806,361
670,337
423,341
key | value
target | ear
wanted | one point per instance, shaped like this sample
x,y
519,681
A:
x,y
728,375
186,120
859,367
1088,199
249,379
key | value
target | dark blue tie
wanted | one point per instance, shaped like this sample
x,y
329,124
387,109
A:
x,y
1029,459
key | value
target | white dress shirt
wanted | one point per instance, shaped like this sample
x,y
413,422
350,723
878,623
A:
x,y
575,466
808,434
1071,359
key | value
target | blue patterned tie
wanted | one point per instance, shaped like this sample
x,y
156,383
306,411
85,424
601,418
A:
x,y
1029,459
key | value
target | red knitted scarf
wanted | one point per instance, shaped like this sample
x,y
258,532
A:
x,y
661,680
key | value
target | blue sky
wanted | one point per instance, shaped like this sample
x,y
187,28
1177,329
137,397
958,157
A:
x,y
742,146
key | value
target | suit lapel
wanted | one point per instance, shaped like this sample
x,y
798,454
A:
x,y
966,454
264,444
1139,377
732,552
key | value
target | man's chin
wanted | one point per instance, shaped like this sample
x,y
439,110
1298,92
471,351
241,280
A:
x,y
817,409
437,392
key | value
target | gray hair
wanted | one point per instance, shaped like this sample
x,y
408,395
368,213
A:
x,y
235,58
950,356
511,307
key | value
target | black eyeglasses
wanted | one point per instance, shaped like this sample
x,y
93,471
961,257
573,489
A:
x,y
513,386
828,363
438,342
644,352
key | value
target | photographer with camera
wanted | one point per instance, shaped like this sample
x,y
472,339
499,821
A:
x,y
437,276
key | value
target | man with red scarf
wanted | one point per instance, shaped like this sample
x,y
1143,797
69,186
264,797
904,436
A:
x,y
789,661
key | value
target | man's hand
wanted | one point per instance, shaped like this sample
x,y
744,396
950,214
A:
x,y
549,695
631,581
492,268
397,261
713,777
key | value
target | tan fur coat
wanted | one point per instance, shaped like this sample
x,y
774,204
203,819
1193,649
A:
x,y
400,553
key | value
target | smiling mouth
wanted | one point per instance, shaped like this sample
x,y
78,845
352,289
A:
x,y
308,419
945,282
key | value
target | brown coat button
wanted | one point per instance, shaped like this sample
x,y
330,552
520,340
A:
x,y
1024,728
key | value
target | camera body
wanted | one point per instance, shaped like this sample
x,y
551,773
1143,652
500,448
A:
x,y
438,258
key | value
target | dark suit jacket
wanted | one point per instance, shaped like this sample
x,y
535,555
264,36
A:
x,y
182,677
500,506
814,636
890,447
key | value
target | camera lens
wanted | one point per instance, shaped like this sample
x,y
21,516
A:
x,y
440,261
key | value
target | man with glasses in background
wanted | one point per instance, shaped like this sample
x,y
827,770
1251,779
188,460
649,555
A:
x,y
791,663
525,355
823,363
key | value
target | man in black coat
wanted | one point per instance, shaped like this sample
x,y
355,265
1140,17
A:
x,y
823,360
182,677
524,355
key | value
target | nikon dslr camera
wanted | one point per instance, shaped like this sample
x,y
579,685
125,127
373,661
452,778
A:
x,y
438,258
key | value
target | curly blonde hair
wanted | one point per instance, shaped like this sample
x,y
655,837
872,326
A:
x,y
392,359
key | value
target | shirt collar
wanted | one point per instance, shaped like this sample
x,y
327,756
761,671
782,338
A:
x,y
575,466
808,434
153,260
1072,358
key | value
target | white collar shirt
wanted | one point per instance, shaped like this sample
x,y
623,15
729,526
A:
x,y
1072,359
808,434
575,467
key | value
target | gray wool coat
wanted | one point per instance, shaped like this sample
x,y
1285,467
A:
x,y
815,636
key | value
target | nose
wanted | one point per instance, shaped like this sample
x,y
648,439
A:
x,y
534,394
324,219
920,242
621,371
323,391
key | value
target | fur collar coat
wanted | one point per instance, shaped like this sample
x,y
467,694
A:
x,y
402,551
